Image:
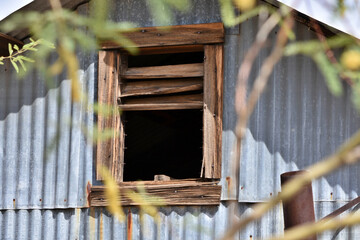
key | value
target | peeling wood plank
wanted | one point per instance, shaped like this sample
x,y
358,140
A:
x,y
213,89
169,71
190,101
173,35
161,87
109,151
180,193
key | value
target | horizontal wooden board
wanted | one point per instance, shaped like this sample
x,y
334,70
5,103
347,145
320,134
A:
x,y
173,35
169,71
165,86
171,49
190,101
164,193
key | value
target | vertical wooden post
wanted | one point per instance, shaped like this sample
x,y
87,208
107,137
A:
x,y
109,151
213,89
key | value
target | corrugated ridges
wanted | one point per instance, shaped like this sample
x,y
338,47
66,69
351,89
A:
x,y
296,123
174,223
46,160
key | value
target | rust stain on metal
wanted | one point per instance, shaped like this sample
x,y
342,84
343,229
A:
x,y
129,225
251,237
14,203
101,225
92,223
88,192
331,196
228,180
300,208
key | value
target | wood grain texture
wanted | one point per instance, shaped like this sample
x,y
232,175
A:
x,y
173,35
213,89
109,151
156,87
169,71
184,193
190,101
171,49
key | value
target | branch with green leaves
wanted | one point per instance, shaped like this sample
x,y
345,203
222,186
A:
x,y
16,54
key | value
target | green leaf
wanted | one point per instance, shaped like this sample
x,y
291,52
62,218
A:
x,y
10,49
16,47
14,65
22,64
330,73
227,12
26,58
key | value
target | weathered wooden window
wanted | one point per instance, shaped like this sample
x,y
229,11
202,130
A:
x,y
168,129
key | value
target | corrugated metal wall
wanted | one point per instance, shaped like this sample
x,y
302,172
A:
x,y
46,161
44,184
296,123
176,223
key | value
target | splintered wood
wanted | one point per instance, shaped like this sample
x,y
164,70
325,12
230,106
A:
x,y
190,101
213,88
160,87
185,193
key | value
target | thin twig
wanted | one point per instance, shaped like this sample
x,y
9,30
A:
x,y
244,110
329,53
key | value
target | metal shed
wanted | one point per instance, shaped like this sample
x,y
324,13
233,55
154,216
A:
x,y
296,122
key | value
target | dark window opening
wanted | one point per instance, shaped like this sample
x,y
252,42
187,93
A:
x,y
165,59
163,142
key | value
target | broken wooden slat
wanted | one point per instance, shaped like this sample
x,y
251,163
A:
x,y
181,193
109,151
191,101
161,87
169,71
173,35
213,88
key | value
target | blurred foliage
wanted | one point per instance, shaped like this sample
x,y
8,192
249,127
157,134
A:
x,y
334,67
148,204
65,31
112,194
245,5
162,10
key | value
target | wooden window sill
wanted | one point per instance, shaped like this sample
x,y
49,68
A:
x,y
173,192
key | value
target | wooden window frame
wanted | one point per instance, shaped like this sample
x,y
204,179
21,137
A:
x,y
113,66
